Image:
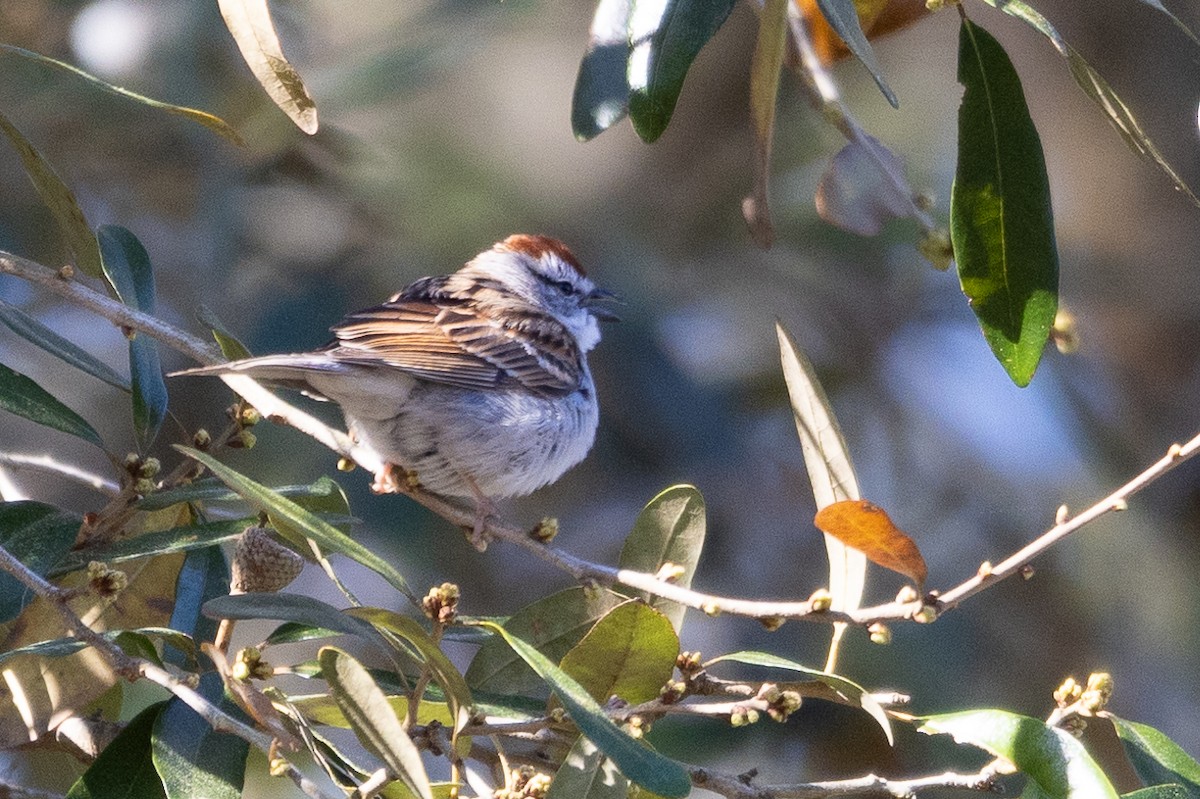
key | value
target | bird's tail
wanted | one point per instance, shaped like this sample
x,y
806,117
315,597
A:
x,y
287,371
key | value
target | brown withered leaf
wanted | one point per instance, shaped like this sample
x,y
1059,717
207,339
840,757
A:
x,y
877,17
866,527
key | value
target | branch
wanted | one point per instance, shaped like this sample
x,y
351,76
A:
x,y
49,464
735,787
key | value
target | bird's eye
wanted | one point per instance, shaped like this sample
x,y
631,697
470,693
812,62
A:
x,y
566,287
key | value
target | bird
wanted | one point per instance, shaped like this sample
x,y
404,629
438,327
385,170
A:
x,y
473,384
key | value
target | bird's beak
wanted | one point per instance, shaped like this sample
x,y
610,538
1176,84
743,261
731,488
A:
x,y
599,311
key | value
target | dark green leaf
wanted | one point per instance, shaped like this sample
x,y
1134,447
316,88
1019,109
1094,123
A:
x,y
843,18
552,625
636,761
210,489
127,267
193,759
61,647
37,535
293,632
586,773
204,576
209,121
630,653
137,645
1159,792
602,87
844,690
371,717
666,38
231,348
59,199
34,331
164,542
125,769
1054,759
670,529
22,396
1000,218
1156,758
288,607
285,511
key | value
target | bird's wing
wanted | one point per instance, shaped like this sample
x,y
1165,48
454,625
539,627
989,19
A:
x,y
442,335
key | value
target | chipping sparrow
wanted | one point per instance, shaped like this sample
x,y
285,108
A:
x,y
476,383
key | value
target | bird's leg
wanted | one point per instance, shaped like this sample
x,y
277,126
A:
x,y
484,507
392,479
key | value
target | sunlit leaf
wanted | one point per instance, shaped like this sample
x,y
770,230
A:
x,y
842,16
192,759
323,709
127,267
59,199
667,35
867,527
859,192
1156,758
231,348
1000,218
20,395
552,625
328,537
1054,759
1159,792
293,632
125,769
1158,6
601,96
629,653
586,773
34,331
213,123
636,761
249,21
830,471
371,717
765,69
669,530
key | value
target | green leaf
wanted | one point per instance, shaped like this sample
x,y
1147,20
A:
x,y
843,690
193,759
125,769
586,773
667,37
1054,759
630,653
210,489
25,398
830,471
34,331
371,717
127,267
164,542
444,672
37,535
288,607
1000,218
213,123
637,762
323,709
203,576
842,16
293,633
601,97
1097,88
231,348
249,21
72,224
1159,792
1156,758
61,647
1158,6
288,512
552,625
670,529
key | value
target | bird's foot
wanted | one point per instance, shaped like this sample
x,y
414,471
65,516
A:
x,y
392,479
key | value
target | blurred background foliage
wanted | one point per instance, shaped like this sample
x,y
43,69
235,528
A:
x,y
445,126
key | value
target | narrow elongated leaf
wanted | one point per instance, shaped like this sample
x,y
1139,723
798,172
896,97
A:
x,y
192,759
204,576
210,489
323,709
22,396
629,653
1156,758
164,542
845,690
552,625
601,96
292,632
249,21
842,16
765,69
125,769
1159,792
667,35
326,535
867,527
61,647
444,672
127,267
636,761
231,348
289,607
371,717
213,123
827,460
1053,759
669,530
586,773
59,199
1159,7
34,331
1000,218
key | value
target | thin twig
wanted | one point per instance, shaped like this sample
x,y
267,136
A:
x,y
48,464
735,787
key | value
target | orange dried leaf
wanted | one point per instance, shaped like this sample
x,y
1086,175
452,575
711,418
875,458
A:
x,y
867,528
877,17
